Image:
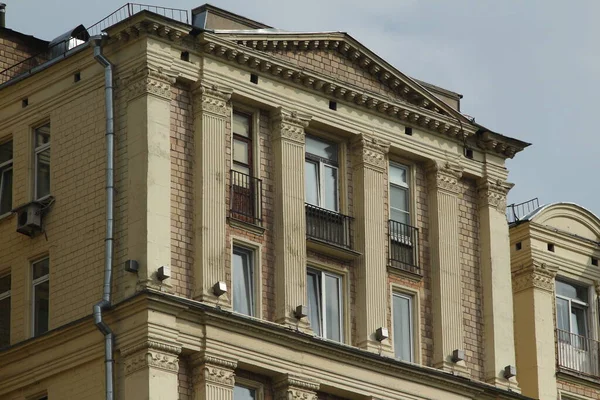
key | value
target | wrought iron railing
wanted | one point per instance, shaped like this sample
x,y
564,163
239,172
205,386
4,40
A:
x,y
403,246
245,198
578,353
514,212
328,226
59,48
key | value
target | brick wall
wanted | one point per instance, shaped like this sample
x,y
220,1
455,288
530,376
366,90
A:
x,y
15,48
588,392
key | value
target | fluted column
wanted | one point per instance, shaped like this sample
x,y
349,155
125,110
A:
x,y
495,273
287,135
213,378
150,371
533,294
212,111
448,331
289,387
148,96
369,168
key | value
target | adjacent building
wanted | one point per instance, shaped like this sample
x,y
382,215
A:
x,y
281,215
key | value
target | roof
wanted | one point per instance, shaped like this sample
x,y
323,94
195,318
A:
x,y
31,40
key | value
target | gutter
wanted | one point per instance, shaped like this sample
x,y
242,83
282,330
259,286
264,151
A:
x,y
104,304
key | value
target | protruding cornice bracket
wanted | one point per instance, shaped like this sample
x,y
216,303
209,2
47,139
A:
x,y
368,150
535,275
289,125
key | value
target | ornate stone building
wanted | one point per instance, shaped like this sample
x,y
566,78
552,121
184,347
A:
x,y
204,207
556,283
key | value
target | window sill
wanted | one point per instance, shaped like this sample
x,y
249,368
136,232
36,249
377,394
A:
x,y
236,223
331,249
413,276
578,377
6,216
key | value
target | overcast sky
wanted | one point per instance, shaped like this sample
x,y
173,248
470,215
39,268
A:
x,y
527,69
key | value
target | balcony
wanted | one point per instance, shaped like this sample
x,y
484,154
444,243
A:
x,y
578,354
245,199
329,228
404,247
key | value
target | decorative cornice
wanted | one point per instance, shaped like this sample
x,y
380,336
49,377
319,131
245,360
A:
x,y
147,24
493,194
291,387
369,150
537,275
148,81
211,99
288,125
445,176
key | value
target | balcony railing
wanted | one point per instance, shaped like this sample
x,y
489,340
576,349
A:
x,y
328,226
245,198
578,353
404,246
514,212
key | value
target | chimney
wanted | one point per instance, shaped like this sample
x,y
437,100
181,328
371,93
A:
x,y
2,15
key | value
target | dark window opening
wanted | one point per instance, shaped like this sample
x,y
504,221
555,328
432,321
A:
x,y
25,102
468,153
332,105
408,131
594,261
76,76
518,246
551,247
254,79
185,56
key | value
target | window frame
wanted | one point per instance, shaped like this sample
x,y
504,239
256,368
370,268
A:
x,y
7,166
415,296
321,164
250,384
410,322
407,187
8,295
256,250
248,140
250,254
578,304
34,283
312,269
36,151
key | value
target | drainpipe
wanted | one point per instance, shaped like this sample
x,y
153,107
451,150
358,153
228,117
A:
x,y
110,192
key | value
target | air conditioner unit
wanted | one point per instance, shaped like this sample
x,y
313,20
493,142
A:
x,y
29,219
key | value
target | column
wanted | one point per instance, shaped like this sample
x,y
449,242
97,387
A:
x,y
496,282
214,378
150,371
533,294
212,113
289,387
369,167
287,135
149,174
448,332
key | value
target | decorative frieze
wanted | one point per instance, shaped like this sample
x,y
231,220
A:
x,y
536,275
493,194
294,388
145,80
369,150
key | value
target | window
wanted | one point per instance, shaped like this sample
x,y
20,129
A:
x,y
403,326
403,237
399,194
6,177
571,308
321,174
42,161
41,295
242,143
5,311
244,393
243,281
325,309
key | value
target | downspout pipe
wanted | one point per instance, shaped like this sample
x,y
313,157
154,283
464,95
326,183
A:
x,y
108,242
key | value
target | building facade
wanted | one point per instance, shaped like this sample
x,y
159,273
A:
x,y
556,283
293,217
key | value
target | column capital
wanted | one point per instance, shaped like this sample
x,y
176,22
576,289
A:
x,y
290,387
492,193
210,98
445,175
536,275
288,124
145,80
368,150
213,370
597,287
153,354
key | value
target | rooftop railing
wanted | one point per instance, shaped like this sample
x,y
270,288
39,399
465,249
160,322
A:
x,y
516,211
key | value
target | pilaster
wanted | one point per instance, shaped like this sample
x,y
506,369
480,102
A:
x,y
213,378
148,94
495,273
287,135
533,293
291,387
369,167
212,112
150,370
448,327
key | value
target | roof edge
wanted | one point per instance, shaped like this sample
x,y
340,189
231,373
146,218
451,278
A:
x,y
229,15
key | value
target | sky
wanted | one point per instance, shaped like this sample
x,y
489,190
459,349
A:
x,y
526,68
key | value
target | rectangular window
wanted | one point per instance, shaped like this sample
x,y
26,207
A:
x,y
325,307
41,295
6,177
403,237
403,326
242,143
321,174
244,393
5,311
42,161
243,281
399,194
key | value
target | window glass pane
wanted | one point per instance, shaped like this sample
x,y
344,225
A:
x,y
398,198
333,308
578,322
243,170
6,152
40,307
41,268
42,170
241,124
398,175
240,152
5,322
42,135
572,291
4,284
243,393
313,287
399,216
562,314
242,282
330,189
328,151
311,183
402,328
6,183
